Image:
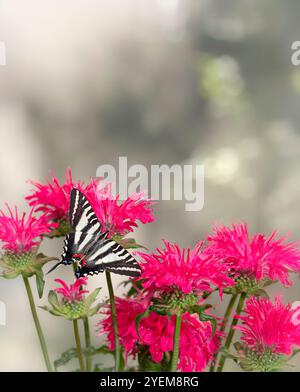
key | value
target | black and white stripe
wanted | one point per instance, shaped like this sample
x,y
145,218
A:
x,y
87,238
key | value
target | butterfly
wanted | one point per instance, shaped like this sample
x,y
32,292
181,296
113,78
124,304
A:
x,y
90,247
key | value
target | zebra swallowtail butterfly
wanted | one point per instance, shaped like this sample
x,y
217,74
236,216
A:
x,y
90,247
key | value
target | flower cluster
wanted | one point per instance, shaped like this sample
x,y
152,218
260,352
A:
x,y
118,218
153,339
165,321
53,199
254,262
21,236
72,303
174,281
269,334
189,271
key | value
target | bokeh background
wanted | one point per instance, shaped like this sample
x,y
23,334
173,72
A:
x,y
161,82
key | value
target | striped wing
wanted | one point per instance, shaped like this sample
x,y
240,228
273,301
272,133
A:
x,y
92,247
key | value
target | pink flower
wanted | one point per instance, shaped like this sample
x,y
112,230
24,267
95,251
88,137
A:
x,y
269,325
120,217
260,257
53,198
157,333
22,233
185,269
127,311
72,292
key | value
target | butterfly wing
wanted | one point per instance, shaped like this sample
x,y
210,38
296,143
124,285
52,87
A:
x,y
99,253
108,255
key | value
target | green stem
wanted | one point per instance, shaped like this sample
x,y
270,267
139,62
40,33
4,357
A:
x,y
175,355
232,330
87,342
114,320
78,345
37,324
86,332
227,315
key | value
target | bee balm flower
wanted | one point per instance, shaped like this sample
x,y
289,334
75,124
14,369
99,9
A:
x,y
53,200
254,262
183,270
269,334
21,236
119,217
72,303
155,335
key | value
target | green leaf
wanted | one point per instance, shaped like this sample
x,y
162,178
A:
x,y
295,352
65,357
10,274
128,243
200,308
92,311
103,350
135,286
53,300
122,361
261,293
139,318
97,368
92,297
227,354
42,259
40,282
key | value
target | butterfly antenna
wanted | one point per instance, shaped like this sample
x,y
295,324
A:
x,y
53,268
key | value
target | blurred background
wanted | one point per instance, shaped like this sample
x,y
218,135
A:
x,y
161,82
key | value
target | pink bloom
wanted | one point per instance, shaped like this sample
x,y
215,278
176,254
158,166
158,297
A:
x,y
157,332
73,292
116,217
127,311
261,257
120,217
20,233
187,270
269,325
53,198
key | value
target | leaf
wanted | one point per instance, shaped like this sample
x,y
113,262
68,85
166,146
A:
x,y
92,311
128,243
295,352
71,353
97,368
200,308
261,293
227,354
139,318
9,274
92,297
103,350
40,282
42,259
136,285
213,321
53,300
122,361
65,357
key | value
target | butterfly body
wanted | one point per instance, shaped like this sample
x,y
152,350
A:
x,y
90,247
